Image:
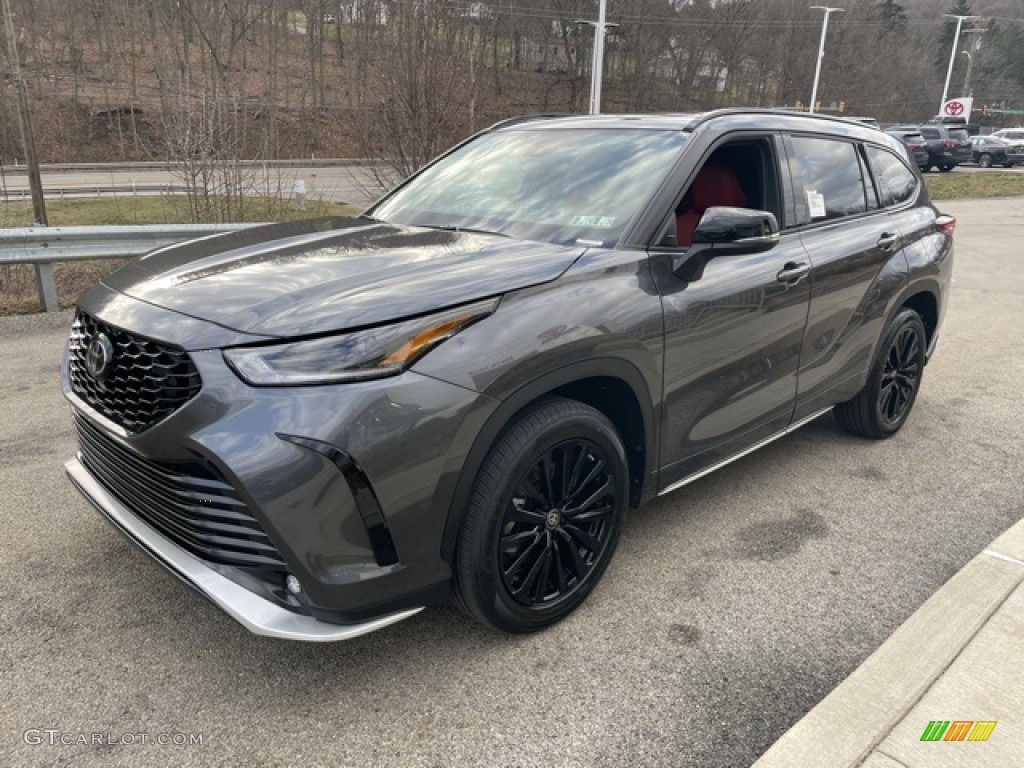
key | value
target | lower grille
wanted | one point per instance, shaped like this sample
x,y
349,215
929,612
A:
x,y
190,503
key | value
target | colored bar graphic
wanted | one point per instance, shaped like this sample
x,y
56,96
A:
x,y
982,730
958,730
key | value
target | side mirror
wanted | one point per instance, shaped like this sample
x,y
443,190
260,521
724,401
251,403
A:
x,y
737,230
726,231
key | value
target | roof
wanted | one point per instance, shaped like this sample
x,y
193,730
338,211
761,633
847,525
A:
x,y
770,119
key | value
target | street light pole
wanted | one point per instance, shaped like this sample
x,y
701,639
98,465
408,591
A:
x,y
952,54
597,66
821,49
967,75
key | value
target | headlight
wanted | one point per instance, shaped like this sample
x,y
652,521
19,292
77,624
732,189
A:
x,y
368,354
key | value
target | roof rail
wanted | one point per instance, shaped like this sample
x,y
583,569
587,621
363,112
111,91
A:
x,y
783,111
527,118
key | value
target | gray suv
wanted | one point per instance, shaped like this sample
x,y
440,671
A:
x,y
325,426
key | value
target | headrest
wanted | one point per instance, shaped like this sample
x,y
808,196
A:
x,y
717,185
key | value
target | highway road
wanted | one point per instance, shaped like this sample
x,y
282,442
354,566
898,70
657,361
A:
x,y
732,606
350,184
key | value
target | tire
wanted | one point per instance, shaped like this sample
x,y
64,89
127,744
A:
x,y
1007,165
985,161
884,405
523,561
946,168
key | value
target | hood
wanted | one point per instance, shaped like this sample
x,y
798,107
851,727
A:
x,y
333,274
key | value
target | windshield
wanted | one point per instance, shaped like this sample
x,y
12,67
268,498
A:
x,y
555,185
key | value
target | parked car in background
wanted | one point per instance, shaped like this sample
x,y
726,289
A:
x,y
987,151
1012,135
916,145
973,129
326,425
948,145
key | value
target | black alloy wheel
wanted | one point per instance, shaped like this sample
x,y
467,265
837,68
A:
x,y
883,406
544,517
557,524
985,161
901,375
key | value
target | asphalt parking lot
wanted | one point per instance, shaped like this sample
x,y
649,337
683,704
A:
x,y
732,607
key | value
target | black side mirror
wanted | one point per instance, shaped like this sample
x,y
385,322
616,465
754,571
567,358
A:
x,y
737,230
726,231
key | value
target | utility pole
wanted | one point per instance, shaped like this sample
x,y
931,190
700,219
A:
x,y
952,54
24,120
821,50
597,66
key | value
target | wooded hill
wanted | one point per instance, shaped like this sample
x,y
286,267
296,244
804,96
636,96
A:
x,y
230,79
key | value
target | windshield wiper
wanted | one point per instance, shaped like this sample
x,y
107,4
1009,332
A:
x,y
471,230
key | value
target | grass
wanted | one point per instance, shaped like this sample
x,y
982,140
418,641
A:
x,y
951,186
17,281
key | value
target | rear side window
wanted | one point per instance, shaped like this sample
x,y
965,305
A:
x,y
930,133
896,182
833,185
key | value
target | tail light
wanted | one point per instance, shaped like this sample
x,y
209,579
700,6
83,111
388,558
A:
x,y
946,224
949,144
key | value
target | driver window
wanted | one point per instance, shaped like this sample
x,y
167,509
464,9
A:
x,y
735,175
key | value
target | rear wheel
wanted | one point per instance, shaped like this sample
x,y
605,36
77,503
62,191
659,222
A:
x,y
946,168
884,405
544,518
985,161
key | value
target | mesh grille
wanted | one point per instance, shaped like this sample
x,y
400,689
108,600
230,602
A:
x,y
190,503
145,381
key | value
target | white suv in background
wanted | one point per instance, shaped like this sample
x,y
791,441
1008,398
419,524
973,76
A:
x,y
1013,136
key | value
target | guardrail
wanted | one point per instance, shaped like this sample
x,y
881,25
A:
x,y
45,246
170,165
101,190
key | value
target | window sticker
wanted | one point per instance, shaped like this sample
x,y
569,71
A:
x,y
816,202
596,222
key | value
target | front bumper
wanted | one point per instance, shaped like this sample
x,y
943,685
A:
x,y
256,614
351,484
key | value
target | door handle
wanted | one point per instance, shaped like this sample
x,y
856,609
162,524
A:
x,y
887,241
792,273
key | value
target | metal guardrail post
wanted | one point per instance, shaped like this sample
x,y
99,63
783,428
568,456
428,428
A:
x,y
47,287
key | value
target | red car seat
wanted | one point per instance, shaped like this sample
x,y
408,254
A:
x,y
715,184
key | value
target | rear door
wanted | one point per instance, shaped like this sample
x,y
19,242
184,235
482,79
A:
x,y
854,245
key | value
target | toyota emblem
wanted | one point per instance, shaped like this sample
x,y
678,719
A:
x,y
98,357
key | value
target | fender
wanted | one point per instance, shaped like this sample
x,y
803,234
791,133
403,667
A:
x,y
458,489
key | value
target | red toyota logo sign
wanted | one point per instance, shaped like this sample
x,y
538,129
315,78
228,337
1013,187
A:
x,y
954,108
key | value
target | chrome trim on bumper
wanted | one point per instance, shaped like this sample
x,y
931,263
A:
x,y
254,613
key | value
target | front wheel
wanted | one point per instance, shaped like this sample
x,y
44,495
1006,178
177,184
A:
x,y
946,168
884,404
543,519
985,161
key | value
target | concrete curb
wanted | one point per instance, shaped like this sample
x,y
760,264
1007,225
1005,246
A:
x,y
847,725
